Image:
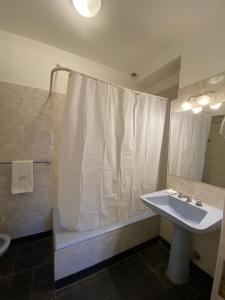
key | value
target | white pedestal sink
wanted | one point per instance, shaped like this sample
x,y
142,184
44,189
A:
x,y
187,218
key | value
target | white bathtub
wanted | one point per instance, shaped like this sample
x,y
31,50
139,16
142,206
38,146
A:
x,y
76,251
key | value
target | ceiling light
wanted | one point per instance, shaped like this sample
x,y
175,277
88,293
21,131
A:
x,y
197,110
186,105
216,105
204,100
87,8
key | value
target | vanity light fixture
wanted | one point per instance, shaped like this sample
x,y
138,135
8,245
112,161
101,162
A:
x,y
87,8
186,105
197,110
204,100
216,106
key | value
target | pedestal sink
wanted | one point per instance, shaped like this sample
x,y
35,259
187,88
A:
x,y
187,218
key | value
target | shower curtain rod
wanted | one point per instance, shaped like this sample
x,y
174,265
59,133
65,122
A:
x,y
59,68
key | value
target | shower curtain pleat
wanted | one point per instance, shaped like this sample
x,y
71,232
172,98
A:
x,y
109,155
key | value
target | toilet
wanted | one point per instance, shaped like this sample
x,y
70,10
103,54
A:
x,y
4,243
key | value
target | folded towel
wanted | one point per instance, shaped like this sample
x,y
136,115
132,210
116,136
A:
x,y
222,129
22,176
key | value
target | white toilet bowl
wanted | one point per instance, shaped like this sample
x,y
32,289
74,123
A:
x,y
4,243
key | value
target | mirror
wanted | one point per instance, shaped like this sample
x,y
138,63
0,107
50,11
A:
x,y
197,140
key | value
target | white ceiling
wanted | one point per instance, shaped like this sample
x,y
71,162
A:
x,y
126,34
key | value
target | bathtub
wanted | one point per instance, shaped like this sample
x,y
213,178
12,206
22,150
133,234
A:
x,y
75,252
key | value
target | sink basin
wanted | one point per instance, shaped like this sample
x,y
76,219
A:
x,y
186,218
187,215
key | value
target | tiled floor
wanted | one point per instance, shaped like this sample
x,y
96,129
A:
x,y
26,273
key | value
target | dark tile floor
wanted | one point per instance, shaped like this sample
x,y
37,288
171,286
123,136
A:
x,y
26,273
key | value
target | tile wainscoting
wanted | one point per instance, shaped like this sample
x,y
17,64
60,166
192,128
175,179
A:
x,y
205,244
30,128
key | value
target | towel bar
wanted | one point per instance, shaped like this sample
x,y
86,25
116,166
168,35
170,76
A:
x,y
35,162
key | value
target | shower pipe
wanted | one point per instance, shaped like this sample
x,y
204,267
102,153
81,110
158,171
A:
x,y
59,68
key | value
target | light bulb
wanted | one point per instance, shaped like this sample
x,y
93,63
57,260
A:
x,y
216,105
204,100
87,8
197,110
186,105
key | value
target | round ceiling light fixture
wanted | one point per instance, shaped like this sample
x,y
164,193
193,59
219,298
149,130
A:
x,y
197,110
87,8
204,100
186,105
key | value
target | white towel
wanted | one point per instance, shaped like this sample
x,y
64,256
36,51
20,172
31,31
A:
x,y
222,129
22,176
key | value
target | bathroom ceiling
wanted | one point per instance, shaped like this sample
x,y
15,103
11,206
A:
x,y
126,35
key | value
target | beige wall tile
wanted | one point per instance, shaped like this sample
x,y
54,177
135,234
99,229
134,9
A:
x,y
180,184
11,133
5,174
9,152
37,105
11,106
37,152
30,123
38,133
210,194
208,244
205,244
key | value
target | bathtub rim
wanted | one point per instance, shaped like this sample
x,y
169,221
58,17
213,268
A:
x,y
64,238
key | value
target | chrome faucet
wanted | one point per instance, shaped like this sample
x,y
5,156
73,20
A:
x,y
182,196
188,198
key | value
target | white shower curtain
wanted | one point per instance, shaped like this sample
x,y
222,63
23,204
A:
x,y
188,141
109,154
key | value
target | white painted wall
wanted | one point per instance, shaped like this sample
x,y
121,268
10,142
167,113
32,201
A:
x,y
27,62
202,57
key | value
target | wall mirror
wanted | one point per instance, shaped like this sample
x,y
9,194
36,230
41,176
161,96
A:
x,y
197,132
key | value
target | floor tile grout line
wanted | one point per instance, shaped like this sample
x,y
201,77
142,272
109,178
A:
x,y
154,272
25,270
139,280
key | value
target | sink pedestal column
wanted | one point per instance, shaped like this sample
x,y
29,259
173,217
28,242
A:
x,y
178,268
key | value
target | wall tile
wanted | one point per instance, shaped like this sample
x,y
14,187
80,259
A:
x,y
210,194
11,133
11,106
138,233
37,105
9,152
38,133
30,125
5,174
37,152
180,184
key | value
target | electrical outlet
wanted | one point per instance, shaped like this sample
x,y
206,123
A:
x,y
2,218
222,283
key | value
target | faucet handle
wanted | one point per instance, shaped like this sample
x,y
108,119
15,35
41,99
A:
x,y
198,202
180,195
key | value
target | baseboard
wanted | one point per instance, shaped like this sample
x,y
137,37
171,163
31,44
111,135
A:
x,y
95,268
30,238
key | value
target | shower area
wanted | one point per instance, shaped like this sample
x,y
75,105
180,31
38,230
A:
x,y
110,154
